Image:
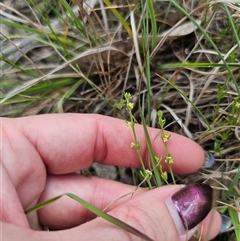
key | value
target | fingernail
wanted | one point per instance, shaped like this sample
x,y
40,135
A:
x,y
226,223
189,206
209,160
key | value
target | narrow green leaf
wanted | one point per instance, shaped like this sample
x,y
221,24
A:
x,y
68,94
234,183
72,14
43,204
151,153
119,17
94,210
235,221
196,65
153,22
108,217
21,26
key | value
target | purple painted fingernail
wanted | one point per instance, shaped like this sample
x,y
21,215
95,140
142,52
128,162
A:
x,y
190,205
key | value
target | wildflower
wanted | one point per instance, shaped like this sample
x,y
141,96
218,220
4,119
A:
x,y
169,159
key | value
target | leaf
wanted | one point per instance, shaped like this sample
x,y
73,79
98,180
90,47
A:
x,y
94,210
235,221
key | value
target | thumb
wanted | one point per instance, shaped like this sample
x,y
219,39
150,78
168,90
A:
x,y
149,213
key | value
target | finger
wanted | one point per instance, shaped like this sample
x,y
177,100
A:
x,y
74,143
147,212
11,209
23,176
13,232
67,213
70,142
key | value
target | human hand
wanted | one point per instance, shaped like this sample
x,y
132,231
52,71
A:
x,y
40,155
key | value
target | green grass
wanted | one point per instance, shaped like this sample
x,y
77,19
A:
x,y
54,59
94,210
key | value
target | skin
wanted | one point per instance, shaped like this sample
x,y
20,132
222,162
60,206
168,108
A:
x,y
39,155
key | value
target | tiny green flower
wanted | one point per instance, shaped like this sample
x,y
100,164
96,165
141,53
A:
x,y
157,159
133,145
146,174
136,145
169,159
130,105
166,137
164,176
161,120
121,104
127,96
130,124
237,104
160,114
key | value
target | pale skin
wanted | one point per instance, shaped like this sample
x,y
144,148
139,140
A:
x,y
39,156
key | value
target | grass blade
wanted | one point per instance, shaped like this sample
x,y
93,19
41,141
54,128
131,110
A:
x,y
235,221
151,153
94,210
108,217
42,204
